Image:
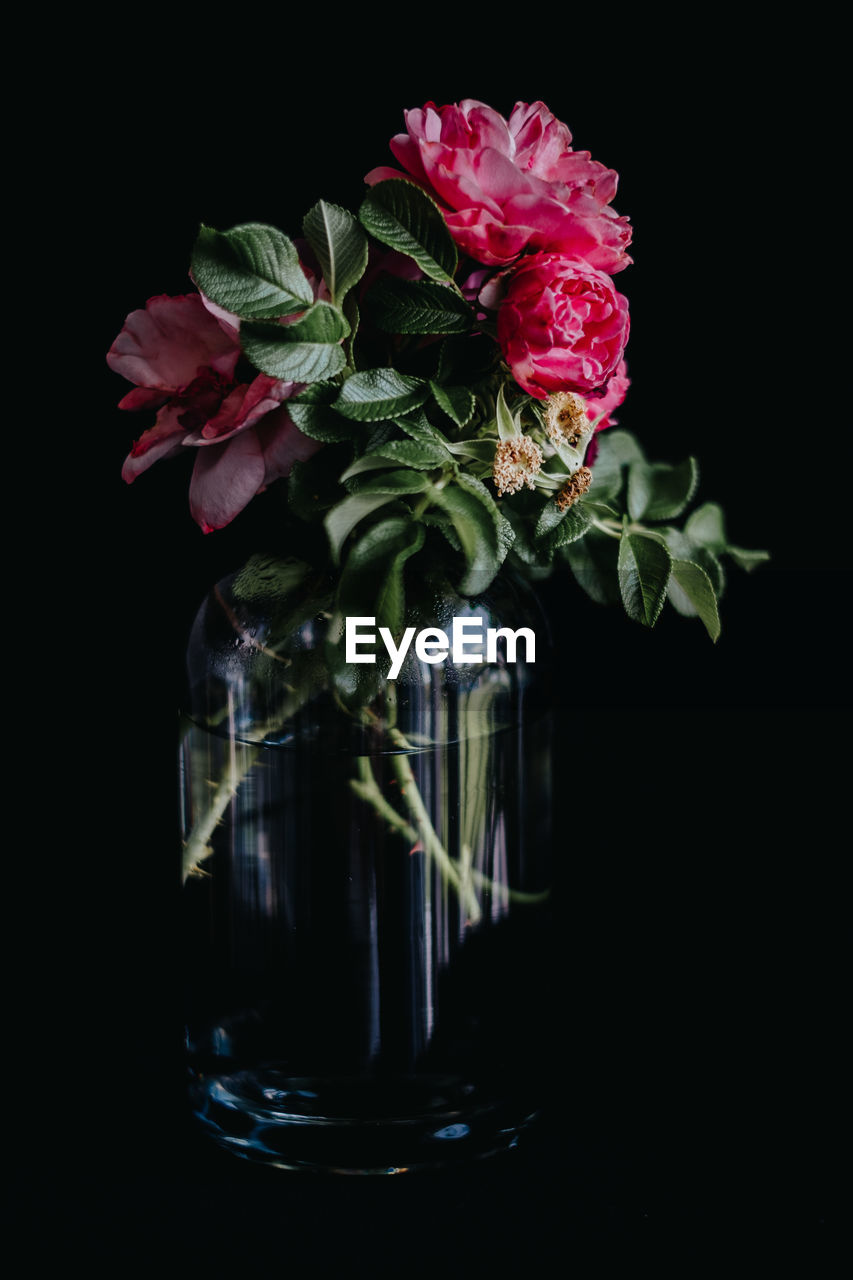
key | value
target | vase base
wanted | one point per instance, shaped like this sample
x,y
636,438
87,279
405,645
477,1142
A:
x,y
354,1126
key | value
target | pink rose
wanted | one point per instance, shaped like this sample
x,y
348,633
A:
x,y
509,185
601,407
182,353
561,326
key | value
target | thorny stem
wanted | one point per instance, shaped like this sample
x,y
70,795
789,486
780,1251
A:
x,y
197,846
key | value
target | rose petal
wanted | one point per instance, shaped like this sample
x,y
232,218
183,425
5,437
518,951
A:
x,y
165,344
225,478
283,444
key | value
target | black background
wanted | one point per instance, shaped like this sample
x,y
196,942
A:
x,y
699,950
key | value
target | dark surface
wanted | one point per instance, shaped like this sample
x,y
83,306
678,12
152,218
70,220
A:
x,y
696,975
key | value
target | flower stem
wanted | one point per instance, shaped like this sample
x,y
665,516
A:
x,y
197,846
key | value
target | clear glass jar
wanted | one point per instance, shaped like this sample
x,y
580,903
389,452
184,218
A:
x,y
366,882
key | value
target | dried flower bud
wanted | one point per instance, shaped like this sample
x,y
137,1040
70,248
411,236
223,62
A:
x,y
573,488
566,418
516,463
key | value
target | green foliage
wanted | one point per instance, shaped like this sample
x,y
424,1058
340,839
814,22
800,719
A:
x,y
403,482
252,271
422,306
376,394
307,350
340,245
644,566
403,217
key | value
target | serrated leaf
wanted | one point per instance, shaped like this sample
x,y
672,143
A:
x,y
644,568
420,455
706,526
402,216
308,350
376,394
556,528
372,579
418,306
340,245
418,426
252,270
312,412
659,491
691,593
457,402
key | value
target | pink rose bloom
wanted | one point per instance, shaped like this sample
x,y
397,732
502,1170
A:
x,y
561,326
182,353
614,395
505,186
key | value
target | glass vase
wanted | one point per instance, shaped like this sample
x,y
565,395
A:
x,y
366,879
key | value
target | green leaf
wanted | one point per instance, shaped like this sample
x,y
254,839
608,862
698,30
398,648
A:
x,y
418,306
706,526
308,350
457,402
644,567
659,491
508,428
402,216
480,528
683,548
312,412
252,270
399,483
418,426
376,394
483,451
691,593
556,528
372,579
593,562
616,449
747,560
420,455
340,245
347,513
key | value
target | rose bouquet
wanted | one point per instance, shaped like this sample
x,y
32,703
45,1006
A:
x,y
444,365
431,384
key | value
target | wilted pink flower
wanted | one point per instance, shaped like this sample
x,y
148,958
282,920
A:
x,y
562,325
509,185
182,354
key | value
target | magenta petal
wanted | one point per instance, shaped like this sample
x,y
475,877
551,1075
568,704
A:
x,y
143,398
164,438
245,406
283,444
165,344
225,478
